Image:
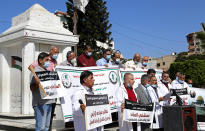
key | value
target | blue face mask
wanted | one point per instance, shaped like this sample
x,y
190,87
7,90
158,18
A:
x,y
144,63
108,57
165,82
55,56
181,81
117,60
89,53
154,86
190,85
46,64
147,85
177,78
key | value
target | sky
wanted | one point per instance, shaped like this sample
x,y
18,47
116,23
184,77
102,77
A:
x,y
150,27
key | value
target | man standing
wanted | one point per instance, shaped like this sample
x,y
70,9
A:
x,y
143,92
156,98
87,82
180,83
71,60
126,92
42,107
53,55
151,72
135,63
86,59
116,60
145,60
164,87
105,61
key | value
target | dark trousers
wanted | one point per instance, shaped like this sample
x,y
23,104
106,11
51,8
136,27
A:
x,y
52,115
134,126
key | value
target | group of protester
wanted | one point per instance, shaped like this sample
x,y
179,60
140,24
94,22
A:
x,y
150,90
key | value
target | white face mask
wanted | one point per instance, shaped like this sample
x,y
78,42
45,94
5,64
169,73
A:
x,y
74,62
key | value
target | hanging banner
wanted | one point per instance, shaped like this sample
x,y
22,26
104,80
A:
x,y
51,87
97,112
106,82
135,112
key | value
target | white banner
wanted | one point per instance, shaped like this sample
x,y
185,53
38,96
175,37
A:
x,y
106,82
51,87
80,4
97,112
135,112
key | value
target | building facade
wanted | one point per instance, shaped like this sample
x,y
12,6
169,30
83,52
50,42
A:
x,y
164,62
194,44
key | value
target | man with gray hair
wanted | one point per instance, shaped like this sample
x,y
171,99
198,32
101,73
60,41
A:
x,y
135,62
71,60
126,91
143,92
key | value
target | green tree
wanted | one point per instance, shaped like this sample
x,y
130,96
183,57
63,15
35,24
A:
x,y
193,69
92,26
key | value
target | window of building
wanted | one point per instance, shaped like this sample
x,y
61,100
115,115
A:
x,y
163,63
158,64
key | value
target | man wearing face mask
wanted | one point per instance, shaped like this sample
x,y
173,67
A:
x,y
41,105
86,59
53,55
105,61
180,83
190,82
71,60
116,60
145,60
135,63
126,92
164,87
143,92
157,97
51,64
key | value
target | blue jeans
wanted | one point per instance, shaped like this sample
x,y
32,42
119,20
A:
x,y
42,116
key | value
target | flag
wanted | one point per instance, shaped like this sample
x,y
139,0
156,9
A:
x,y
16,62
80,4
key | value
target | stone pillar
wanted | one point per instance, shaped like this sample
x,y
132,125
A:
x,y
4,81
28,54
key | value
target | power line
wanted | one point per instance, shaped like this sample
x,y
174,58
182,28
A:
x,y
145,43
147,34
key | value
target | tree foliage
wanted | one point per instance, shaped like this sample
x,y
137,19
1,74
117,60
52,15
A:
x,y
92,26
193,69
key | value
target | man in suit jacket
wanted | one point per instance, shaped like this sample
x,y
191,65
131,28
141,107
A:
x,y
143,96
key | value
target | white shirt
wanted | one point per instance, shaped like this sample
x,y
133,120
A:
x,y
158,108
162,91
131,64
121,95
78,116
176,85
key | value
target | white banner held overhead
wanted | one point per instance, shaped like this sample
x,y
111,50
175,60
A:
x,y
80,4
97,112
